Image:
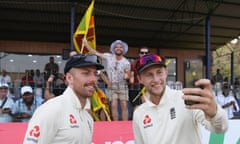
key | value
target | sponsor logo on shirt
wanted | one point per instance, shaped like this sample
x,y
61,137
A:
x,y
34,133
147,122
73,121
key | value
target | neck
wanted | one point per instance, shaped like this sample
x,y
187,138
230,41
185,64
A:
x,y
119,57
83,102
155,99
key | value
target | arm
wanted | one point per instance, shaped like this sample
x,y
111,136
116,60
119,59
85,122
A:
x,y
90,49
43,126
138,138
47,94
131,77
209,114
105,78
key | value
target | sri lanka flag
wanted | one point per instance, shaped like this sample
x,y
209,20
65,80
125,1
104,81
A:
x,y
86,29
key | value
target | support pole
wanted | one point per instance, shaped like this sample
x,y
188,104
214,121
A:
x,y
72,16
207,47
232,67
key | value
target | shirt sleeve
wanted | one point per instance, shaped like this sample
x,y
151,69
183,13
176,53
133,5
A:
x,y
217,124
138,139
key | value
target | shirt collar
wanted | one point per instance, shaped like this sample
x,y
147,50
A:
x,y
74,99
164,98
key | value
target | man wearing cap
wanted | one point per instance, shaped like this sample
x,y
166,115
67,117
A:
x,y
227,101
64,119
118,69
26,105
6,104
164,117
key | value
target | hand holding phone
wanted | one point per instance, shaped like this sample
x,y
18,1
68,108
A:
x,y
191,102
205,97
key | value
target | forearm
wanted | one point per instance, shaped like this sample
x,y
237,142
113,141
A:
x,y
105,78
90,49
218,123
47,93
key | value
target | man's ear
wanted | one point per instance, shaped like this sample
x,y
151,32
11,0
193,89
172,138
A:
x,y
139,79
68,77
167,70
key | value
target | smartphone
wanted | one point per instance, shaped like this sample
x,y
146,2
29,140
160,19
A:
x,y
189,102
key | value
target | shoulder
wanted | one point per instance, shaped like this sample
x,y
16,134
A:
x,y
173,93
107,55
140,110
53,105
9,102
134,62
126,60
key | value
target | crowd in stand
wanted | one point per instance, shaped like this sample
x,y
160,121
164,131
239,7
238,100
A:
x,y
18,101
118,81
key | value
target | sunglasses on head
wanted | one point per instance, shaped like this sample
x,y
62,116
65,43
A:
x,y
148,59
87,58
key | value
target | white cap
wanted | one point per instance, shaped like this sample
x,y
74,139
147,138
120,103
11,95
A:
x,y
26,89
3,85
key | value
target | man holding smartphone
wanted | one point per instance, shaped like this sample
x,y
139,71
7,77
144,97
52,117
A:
x,y
6,104
164,117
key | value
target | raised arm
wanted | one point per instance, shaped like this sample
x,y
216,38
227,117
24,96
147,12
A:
x,y
47,94
90,49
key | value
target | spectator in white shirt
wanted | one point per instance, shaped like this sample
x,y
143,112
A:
x,y
5,78
227,101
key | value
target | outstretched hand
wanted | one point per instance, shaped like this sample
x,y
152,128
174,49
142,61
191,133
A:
x,y
205,97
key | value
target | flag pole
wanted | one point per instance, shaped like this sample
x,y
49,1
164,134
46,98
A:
x,y
83,44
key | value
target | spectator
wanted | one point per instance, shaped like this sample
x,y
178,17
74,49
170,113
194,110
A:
x,y
6,104
134,86
225,82
59,84
163,117
38,79
5,78
51,67
32,73
39,84
25,107
64,119
227,101
118,69
218,77
27,79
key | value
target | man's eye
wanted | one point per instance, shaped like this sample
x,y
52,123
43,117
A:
x,y
85,73
148,75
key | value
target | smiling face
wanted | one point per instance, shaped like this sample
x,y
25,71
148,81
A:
x,y
82,81
28,98
154,79
118,50
143,51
